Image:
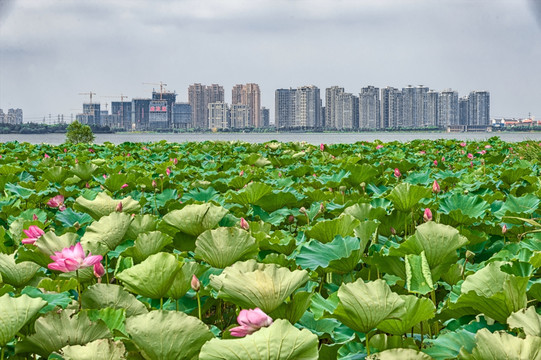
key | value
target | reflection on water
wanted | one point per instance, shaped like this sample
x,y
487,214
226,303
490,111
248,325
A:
x,y
313,138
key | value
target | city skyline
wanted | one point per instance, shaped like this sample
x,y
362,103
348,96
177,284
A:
x,y
50,51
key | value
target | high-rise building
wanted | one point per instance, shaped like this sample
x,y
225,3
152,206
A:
x,y
463,108
122,110
307,107
249,95
91,114
140,113
414,100
331,96
479,108
199,96
2,117
369,108
346,111
391,108
448,108
219,115
432,109
170,99
284,108
265,117
240,116
13,116
182,116
158,114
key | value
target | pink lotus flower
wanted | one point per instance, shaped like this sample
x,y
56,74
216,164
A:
x,y
99,270
250,321
124,186
154,184
46,156
321,147
119,207
443,158
33,233
195,283
435,187
427,215
470,156
175,161
73,258
105,176
168,172
488,146
504,229
463,144
435,162
241,173
397,173
379,147
57,202
422,152
244,224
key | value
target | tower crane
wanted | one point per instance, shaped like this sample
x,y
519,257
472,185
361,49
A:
x,y
162,85
90,93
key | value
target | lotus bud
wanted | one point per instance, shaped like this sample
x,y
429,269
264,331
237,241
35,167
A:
x,y
244,224
379,147
470,156
99,270
154,184
195,284
469,254
435,162
46,156
34,217
427,215
322,147
119,207
87,185
443,158
175,161
168,172
302,210
435,187
397,173
241,173
290,219
393,231
462,144
250,321
321,207
342,189
504,229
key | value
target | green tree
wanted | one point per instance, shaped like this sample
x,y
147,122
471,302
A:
x,y
79,133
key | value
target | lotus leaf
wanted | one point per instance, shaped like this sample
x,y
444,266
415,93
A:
x,y
418,276
528,320
195,219
402,354
365,211
367,232
56,330
277,200
168,335
153,277
141,224
84,170
340,255
279,341
100,296
325,231
182,283
518,206
363,306
70,218
405,197
15,313
224,246
53,300
250,284
383,342
49,243
104,205
102,349
501,345
251,193
439,242
464,209
416,310
448,345
147,244
106,234
294,309
16,274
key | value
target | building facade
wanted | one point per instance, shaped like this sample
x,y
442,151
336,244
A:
x,y
240,116
479,108
463,108
182,116
249,95
369,108
346,112
308,107
265,117
284,108
122,110
199,96
431,118
219,115
448,108
391,108
331,98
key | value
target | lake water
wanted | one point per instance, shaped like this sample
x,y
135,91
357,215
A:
x,y
313,138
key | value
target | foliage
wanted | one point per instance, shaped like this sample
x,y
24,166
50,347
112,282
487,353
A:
x,y
79,133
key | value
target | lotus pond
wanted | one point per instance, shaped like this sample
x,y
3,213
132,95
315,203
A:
x,y
230,250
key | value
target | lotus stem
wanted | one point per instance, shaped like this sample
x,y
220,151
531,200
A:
x,y
199,305
367,347
2,354
106,269
161,303
78,289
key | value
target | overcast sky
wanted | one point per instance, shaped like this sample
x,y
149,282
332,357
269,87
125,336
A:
x,y
52,50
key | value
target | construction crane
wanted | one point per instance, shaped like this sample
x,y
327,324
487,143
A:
x,y
162,85
90,93
122,97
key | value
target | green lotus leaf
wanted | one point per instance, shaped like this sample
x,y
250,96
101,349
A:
x,y
493,292
251,193
392,265
49,243
365,211
361,173
416,310
293,309
106,234
113,318
114,182
340,255
84,171
501,345
363,306
102,349
58,286
147,244
141,224
223,246
182,283
405,197
402,354
418,275
518,206
168,335
383,342
54,330
528,320
464,209
439,242
325,231
367,232
70,218
56,174
16,274
104,205
509,176
448,345
100,296
15,313
279,341
196,218
20,190
153,277
53,300
250,284
335,179
277,200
